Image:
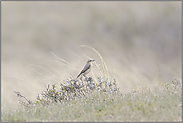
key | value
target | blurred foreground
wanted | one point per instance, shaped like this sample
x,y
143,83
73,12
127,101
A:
x,y
140,43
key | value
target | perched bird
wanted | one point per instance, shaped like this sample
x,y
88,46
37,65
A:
x,y
87,68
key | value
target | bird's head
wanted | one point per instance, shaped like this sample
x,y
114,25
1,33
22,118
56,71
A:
x,y
90,61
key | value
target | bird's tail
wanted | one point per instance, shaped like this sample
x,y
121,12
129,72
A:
x,y
78,75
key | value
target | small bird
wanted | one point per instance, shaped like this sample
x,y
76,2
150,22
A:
x,y
87,68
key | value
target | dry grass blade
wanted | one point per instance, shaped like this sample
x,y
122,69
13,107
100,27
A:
x,y
64,61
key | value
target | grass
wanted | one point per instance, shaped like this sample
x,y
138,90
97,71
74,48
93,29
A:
x,y
159,103
98,99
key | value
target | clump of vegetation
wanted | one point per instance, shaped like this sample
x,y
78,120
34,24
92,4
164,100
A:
x,y
72,89
75,89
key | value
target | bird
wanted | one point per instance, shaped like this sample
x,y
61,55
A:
x,y
87,68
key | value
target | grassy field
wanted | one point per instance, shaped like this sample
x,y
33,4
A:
x,y
162,103
140,43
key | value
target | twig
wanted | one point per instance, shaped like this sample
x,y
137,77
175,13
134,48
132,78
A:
x,y
20,95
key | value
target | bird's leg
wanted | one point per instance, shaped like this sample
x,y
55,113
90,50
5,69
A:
x,y
85,77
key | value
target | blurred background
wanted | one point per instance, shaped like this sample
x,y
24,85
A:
x,y
139,41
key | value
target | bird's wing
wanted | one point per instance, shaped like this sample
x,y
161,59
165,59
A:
x,y
87,66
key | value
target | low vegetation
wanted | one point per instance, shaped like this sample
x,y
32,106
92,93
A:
x,y
86,100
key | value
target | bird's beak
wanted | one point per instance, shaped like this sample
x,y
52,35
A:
x,y
93,60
